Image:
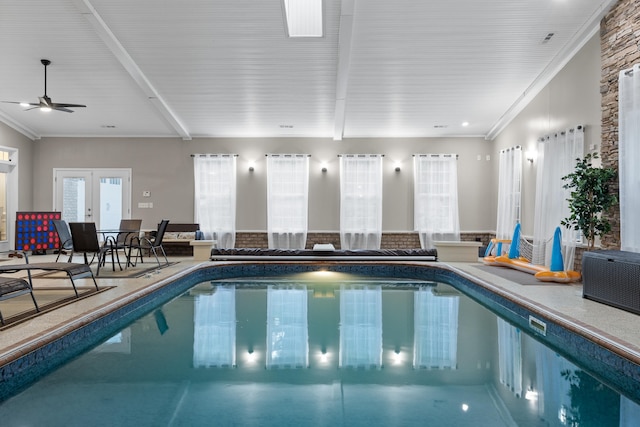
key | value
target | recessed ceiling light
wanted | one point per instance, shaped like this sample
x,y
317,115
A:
x,y
465,124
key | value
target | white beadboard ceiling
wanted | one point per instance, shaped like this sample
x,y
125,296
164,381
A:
x,y
225,68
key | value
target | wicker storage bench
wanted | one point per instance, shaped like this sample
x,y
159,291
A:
x,y
613,278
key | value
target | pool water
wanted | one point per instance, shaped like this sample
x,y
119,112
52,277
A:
x,y
320,349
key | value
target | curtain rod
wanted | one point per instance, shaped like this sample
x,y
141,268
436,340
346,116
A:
x,y
563,132
360,155
288,155
517,147
436,155
213,155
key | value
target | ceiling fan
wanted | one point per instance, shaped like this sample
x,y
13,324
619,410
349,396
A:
x,y
45,103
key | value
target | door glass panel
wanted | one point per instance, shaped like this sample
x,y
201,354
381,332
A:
x,y
3,206
73,201
110,203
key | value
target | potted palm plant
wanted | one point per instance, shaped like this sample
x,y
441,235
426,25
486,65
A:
x,y
590,196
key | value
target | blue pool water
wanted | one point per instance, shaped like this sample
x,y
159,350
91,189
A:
x,y
379,347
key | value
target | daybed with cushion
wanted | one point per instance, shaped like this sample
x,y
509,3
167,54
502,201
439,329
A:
x,y
334,255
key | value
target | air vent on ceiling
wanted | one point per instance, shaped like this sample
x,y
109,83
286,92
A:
x,y
547,38
286,126
440,126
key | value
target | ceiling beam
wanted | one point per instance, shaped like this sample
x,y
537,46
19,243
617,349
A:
x,y
104,32
344,61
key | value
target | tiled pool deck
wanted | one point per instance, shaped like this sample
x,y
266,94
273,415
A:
x,y
609,326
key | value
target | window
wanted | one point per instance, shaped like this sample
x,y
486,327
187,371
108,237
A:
x,y
361,201
215,197
509,183
436,198
287,200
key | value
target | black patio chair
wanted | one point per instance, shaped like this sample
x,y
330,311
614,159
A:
x,y
152,245
128,230
85,241
64,235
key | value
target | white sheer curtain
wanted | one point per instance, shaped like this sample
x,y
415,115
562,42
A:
x,y
360,201
360,327
287,200
435,198
556,158
215,197
287,327
629,157
214,332
509,191
435,342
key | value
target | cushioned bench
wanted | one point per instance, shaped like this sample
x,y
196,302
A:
x,y
309,254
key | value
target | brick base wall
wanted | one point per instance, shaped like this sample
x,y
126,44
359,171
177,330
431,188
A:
x,y
400,240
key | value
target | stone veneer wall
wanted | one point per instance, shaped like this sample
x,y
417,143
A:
x,y
619,41
399,240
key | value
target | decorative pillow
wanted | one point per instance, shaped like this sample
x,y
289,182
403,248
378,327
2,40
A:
x,y
171,235
188,235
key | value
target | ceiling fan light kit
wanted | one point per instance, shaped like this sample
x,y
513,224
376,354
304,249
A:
x,y
45,103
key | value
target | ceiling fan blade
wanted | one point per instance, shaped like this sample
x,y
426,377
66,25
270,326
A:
x,y
17,102
58,108
32,108
56,105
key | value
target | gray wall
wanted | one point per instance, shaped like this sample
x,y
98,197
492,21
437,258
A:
x,y
164,167
11,138
571,98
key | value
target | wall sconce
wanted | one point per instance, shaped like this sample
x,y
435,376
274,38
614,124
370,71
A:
x,y
323,167
251,167
397,167
531,155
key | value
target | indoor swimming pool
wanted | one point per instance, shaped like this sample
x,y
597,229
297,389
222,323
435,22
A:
x,y
323,347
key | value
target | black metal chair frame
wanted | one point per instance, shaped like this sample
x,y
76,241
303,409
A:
x,y
127,231
85,240
72,270
140,243
11,287
64,235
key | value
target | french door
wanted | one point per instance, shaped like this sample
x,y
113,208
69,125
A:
x,y
102,196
